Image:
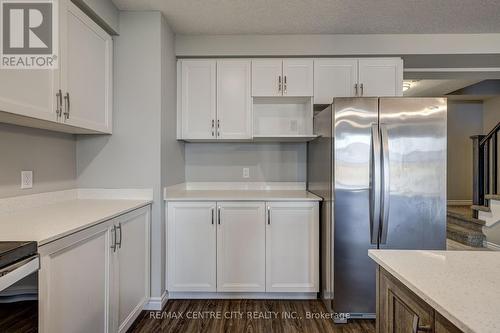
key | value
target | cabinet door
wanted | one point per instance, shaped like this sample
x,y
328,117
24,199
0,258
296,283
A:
x,y
198,99
380,77
241,247
298,77
292,247
334,78
399,310
29,92
267,79
234,103
133,265
191,235
75,280
86,71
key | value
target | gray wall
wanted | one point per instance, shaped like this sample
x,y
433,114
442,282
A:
x,y
172,150
464,119
336,44
133,156
212,162
50,155
491,114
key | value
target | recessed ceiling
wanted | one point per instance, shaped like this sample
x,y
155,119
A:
x,y
450,88
324,16
427,88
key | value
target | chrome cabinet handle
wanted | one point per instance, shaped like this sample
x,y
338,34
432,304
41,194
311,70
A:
x,y
212,216
218,215
218,127
279,83
268,215
213,127
284,85
66,106
119,243
362,87
113,246
355,89
59,103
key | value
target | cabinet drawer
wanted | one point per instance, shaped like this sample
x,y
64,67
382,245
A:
x,y
400,310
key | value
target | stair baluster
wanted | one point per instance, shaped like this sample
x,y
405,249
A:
x,y
485,166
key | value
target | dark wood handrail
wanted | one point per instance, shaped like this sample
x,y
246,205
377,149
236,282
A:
x,y
488,136
485,165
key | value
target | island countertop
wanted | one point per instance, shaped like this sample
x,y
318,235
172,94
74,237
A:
x,y
463,286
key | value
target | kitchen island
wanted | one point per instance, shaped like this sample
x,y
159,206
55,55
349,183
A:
x,y
437,291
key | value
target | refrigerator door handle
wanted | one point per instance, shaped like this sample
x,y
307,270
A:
x,y
375,184
385,185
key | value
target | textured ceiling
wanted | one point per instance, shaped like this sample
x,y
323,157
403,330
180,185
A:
x,y
324,16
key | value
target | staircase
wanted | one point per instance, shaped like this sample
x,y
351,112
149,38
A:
x,y
463,227
465,224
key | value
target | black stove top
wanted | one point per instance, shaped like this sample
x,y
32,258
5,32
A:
x,y
11,252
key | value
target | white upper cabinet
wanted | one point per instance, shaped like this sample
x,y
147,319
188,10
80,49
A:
x,y
380,77
267,80
198,99
334,78
75,98
86,71
282,77
298,77
241,243
292,247
191,233
234,103
272,99
29,92
365,77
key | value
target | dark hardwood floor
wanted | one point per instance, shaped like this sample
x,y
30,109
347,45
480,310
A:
x,y
221,316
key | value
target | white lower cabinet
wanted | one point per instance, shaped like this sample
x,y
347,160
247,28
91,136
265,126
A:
x,y
75,280
241,243
132,280
84,276
191,253
292,247
235,246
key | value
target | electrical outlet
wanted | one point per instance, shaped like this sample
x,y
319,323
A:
x,y
26,179
246,173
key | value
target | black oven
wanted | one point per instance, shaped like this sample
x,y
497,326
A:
x,y
19,265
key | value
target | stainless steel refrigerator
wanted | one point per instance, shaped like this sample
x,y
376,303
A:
x,y
380,166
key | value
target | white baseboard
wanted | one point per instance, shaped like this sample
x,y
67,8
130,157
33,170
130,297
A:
x,y
459,202
157,303
243,295
492,246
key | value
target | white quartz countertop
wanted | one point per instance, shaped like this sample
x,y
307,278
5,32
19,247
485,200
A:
x,y
50,222
239,195
463,286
